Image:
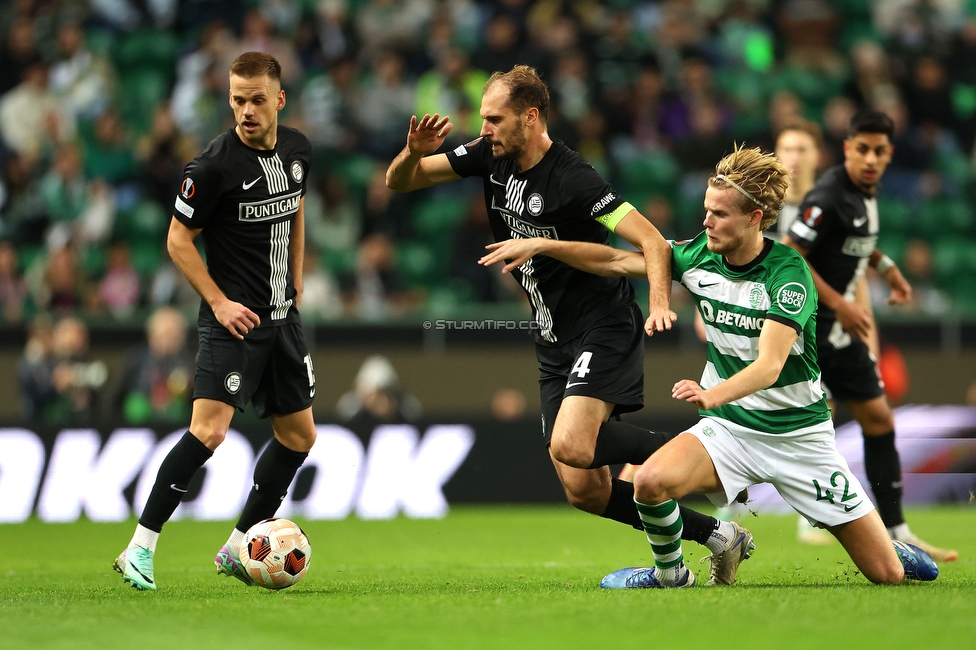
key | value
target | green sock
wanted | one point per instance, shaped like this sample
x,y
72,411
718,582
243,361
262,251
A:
x,y
662,525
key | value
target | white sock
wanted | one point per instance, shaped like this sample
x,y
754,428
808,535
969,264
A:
x,y
670,575
234,542
721,538
144,537
901,531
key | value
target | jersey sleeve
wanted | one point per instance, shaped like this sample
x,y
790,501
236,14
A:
x,y
305,160
471,159
815,219
592,197
679,258
198,194
792,296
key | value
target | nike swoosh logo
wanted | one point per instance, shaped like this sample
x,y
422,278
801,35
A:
x,y
576,383
849,508
248,186
491,177
857,223
702,286
172,486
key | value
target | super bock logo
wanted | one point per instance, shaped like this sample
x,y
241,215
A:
x,y
791,297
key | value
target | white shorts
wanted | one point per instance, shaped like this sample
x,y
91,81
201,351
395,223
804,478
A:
x,y
810,475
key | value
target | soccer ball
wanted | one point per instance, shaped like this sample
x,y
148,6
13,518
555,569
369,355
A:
x,y
276,553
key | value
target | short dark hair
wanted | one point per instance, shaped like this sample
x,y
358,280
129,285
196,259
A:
x,y
868,120
525,90
256,64
812,129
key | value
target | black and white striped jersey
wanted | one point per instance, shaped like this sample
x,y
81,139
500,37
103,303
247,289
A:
x,y
838,226
246,200
561,197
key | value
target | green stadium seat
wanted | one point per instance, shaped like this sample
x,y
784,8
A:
x,y
963,292
417,263
438,217
944,216
892,244
141,91
146,256
146,221
650,174
952,258
146,48
894,215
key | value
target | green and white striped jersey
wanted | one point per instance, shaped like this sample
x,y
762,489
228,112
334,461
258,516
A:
x,y
735,303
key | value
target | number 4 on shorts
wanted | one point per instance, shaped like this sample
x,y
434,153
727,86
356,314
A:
x,y
582,366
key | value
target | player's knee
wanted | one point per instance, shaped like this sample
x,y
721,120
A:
x,y
569,453
891,573
210,436
650,485
585,500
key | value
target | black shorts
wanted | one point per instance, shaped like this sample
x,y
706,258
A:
x,y
849,374
605,362
271,368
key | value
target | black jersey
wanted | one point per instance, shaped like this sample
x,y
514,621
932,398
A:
x,y
246,200
838,226
559,198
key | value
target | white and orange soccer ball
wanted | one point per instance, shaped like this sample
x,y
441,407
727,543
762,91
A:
x,y
276,553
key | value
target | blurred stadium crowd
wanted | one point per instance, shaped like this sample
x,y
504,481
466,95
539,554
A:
x,y
103,102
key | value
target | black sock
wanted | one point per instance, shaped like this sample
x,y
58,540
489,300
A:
x,y
173,480
696,526
620,442
273,473
883,468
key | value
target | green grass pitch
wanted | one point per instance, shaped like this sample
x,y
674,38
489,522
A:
x,y
484,577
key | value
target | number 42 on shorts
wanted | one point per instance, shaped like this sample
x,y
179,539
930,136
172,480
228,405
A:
x,y
827,495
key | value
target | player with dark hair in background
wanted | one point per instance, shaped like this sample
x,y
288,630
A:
x,y
836,231
245,194
589,332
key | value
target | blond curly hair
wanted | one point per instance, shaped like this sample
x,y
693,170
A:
x,y
760,180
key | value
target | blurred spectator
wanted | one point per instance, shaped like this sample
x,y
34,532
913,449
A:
x,y
170,288
328,107
384,208
162,154
333,218
508,405
837,116
706,142
109,155
571,86
658,211
64,189
119,289
321,298
373,288
392,24
158,381
22,213
259,36
377,397
62,288
872,78
35,367
451,87
75,376
202,83
383,106
13,287
32,119
468,246
808,28
927,95
82,81
502,48
19,53
331,31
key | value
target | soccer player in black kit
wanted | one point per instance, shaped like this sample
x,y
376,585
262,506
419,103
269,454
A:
x,y
245,193
589,333
836,230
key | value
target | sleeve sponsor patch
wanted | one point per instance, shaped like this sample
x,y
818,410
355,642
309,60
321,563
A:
x,y
460,151
791,297
812,216
184,208
602,203
188,189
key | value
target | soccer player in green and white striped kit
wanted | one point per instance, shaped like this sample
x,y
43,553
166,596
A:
x,y
764,415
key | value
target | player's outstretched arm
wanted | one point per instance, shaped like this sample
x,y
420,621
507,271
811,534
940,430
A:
x,y
597,259
414,168
657,262
775,342
238,319
853,317
296,246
